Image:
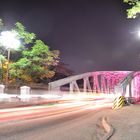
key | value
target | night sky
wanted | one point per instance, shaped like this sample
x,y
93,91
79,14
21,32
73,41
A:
x,y
90,34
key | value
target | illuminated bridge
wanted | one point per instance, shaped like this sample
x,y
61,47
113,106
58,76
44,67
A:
x,y
126,83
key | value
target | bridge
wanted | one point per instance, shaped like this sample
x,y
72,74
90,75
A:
x,y
126,83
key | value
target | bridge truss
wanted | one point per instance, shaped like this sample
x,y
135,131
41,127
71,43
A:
x,y
99,82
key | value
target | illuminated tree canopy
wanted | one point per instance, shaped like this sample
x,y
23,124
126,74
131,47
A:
x,y
135,8
36,64
33,61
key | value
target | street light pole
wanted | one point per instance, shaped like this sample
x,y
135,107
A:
x,y
7,72
10,40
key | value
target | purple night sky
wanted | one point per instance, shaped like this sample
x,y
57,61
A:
x,y
90,34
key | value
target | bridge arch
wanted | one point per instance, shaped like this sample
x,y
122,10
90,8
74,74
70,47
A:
x,y
98,81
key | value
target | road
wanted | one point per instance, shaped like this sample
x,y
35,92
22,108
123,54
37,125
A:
x,y
62,122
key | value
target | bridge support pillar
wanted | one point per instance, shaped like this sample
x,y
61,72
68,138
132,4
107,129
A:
x,y
128,90
103,84
96,87
74,87
87,86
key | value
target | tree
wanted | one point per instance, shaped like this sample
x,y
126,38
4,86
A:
x,y
36,64
33,61
1,25
135,8
62,71
24,36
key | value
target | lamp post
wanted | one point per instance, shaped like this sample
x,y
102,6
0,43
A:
x,y
2,58
9,39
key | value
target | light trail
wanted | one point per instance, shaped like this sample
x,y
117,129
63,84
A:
x,y
43,111
34,113
67,103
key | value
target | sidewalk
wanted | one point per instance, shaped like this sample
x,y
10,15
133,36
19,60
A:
x,y
126,122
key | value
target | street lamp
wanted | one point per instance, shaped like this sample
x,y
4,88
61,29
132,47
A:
x,y
9,39
139,33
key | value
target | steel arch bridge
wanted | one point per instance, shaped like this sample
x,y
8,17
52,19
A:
x,y
126,83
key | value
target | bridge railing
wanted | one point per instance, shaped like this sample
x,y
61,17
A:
x,y
72,81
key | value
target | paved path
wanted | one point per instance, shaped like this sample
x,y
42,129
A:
x,y
126,122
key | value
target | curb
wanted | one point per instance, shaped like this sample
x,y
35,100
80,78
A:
x,y
108,129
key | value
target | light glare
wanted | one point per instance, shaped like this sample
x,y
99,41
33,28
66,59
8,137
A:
x,y
139,33
9,39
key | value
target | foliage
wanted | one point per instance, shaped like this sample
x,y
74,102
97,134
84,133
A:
x,y
1,25
32,61
135,8
2,58
36,63
62,71
23,34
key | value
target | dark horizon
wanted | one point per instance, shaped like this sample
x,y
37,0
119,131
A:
x,y
90,35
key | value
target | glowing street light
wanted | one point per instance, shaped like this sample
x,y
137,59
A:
x,y
9,40
139,33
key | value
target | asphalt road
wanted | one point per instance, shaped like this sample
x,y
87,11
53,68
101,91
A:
x,y
76,124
